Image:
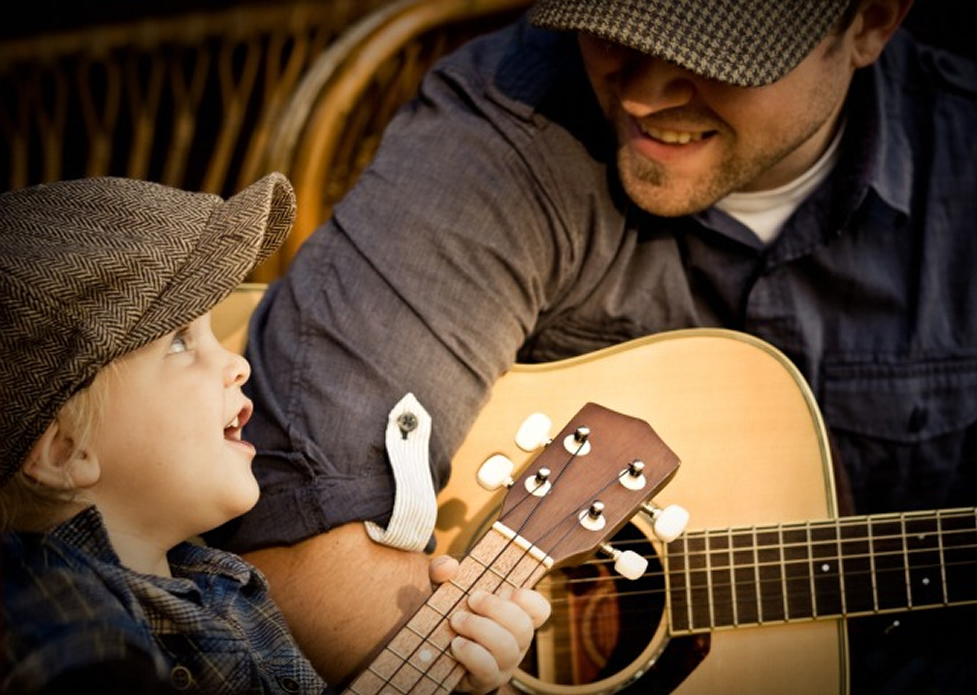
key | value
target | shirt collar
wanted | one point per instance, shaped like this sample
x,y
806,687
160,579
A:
x,y
86,531
879,107
876,158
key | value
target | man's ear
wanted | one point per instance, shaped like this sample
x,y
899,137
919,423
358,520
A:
x,y
54,461
873,26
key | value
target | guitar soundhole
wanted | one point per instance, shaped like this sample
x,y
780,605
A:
x,y
601,623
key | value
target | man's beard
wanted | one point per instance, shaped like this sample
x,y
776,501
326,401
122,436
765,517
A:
x,y
649,185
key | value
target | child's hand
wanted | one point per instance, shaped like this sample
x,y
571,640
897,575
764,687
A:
x,y
494,633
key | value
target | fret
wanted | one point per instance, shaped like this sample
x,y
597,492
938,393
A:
x,y
431,626
721,606
418,659
770,576
826,570
858,580
798,579
746,578
734,593
698,582
958,542
783,572
923,561
889,558
678,595
390,674
367,683
412,651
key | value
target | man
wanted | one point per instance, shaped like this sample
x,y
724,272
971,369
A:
x,y
802,171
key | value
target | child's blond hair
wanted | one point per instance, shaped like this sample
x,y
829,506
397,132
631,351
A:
x,y
28,505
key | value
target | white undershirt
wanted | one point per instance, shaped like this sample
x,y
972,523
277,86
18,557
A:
x,y
765,212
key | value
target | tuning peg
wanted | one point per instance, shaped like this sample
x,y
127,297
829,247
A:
x,y
578,441
534,433
633,477
593,518
628,563
495,472
668,523
539,484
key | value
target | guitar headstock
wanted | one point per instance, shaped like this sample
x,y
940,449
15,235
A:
x,y
585,485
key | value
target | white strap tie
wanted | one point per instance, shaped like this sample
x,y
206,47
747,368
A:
x,y
415,508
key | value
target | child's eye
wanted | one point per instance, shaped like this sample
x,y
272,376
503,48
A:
x,y
182,340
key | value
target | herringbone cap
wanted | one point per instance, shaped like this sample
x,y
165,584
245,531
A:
x,y
92,269
747,43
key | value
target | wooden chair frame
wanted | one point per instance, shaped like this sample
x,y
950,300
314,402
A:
x,y
188,100
332,125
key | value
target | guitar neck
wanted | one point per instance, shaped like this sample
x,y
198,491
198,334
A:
x,y
826,569
418,658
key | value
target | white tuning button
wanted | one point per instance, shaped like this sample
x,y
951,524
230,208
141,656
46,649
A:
x,y
628,564
534,432
495,472
669,523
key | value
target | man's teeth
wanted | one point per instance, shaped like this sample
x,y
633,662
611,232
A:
x,y
671,137
234,424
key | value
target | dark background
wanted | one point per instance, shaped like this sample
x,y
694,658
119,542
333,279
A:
x,y
948,23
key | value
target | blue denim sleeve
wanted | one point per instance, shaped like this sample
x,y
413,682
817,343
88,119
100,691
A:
x,y
427,280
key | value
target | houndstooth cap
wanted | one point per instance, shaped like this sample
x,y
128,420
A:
x,y
747,43
92,269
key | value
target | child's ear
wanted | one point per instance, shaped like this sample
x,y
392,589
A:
x,y
54,462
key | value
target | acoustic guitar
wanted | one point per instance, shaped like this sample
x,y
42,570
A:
x,y
756,600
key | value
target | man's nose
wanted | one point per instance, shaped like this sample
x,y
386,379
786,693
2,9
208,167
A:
x,y
650,84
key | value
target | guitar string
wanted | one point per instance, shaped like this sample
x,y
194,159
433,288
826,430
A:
x,y
895,571
405,661
621,616
618,616
779,580
815,543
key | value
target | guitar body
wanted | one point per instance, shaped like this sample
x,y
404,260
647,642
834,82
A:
x,y
753,450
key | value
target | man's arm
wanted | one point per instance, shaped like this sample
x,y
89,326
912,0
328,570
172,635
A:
x,y
339,613
342,616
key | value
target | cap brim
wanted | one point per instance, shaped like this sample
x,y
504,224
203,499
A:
x,y
742,43
242,231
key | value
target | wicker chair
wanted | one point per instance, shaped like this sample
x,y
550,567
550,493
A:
x,y
332,125
187,99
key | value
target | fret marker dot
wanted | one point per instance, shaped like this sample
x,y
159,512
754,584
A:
x,y
825,567
926,581
425,655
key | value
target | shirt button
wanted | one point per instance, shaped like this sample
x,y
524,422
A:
x,y
289,685
181,678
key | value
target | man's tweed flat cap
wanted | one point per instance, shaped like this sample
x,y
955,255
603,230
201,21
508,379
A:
x,y
748,43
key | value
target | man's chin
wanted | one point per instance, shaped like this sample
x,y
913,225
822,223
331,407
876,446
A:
x,y
663,201
657,193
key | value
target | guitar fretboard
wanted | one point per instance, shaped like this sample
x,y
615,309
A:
x,y
418,659
828,569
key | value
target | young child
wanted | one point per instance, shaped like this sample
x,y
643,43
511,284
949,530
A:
x,y
120,438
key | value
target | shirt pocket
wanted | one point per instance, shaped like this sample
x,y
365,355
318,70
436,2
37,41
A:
x,y
905,430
